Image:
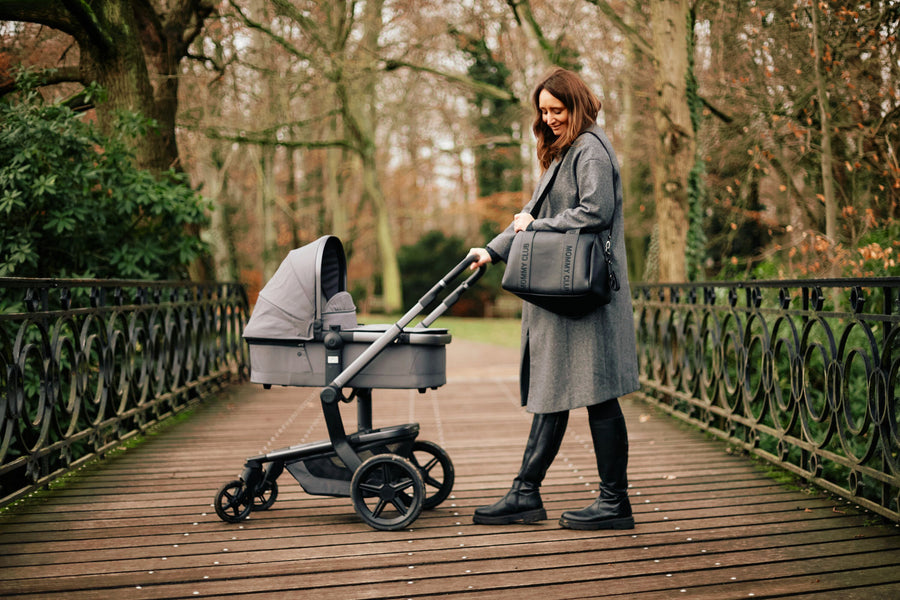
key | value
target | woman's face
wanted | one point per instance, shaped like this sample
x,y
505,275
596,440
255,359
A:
x,y
553,112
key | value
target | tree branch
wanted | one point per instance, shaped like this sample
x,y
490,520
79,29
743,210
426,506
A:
x,y
477,86
269,135
275,37
80,102
198,11
86,16
46,77
44,12
642,45
715,111
262,140
184,18
60,75
522,11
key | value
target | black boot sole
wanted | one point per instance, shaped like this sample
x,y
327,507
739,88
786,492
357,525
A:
x,y
528,516
621,523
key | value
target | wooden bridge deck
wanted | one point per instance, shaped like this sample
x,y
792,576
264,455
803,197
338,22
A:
x,y
709,524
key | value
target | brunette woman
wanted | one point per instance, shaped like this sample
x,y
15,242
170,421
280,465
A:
x,y
568,363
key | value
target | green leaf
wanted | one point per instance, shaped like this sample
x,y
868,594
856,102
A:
x,y
72,200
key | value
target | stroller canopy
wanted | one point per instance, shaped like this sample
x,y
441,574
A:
x,y
309,288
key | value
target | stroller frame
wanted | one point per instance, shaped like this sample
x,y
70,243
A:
x,y
384,471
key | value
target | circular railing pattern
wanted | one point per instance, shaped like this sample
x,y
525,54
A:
x,y
85,364
804,373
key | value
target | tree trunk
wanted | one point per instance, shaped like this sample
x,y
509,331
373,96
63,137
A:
x,y
266,191
221,234
335,210
391,286
365,119
675,148
133,50
122,71
827,157
634,243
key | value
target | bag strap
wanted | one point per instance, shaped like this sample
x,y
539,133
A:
x,y
537,205
607,246
615,178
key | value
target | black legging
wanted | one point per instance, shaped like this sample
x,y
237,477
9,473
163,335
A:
x,y
605,410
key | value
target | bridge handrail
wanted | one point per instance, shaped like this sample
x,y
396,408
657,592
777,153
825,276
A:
x,y
86,364
803,373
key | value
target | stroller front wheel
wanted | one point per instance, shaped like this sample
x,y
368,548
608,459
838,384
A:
x,y
387,492
233,502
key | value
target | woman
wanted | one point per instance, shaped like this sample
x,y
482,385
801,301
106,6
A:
x,y
585,362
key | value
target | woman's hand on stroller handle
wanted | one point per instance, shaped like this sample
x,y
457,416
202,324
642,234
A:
x,y
479,257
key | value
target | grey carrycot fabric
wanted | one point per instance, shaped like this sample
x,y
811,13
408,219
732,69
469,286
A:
x,y
308,287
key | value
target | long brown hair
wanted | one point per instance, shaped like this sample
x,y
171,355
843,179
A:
x,y
583,107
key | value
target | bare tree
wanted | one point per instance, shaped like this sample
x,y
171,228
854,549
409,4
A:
x,y
676,144
801,148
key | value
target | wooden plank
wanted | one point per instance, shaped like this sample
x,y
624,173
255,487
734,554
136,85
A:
x,y
140,524
552,553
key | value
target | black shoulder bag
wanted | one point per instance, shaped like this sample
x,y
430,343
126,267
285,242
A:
x,y
569,273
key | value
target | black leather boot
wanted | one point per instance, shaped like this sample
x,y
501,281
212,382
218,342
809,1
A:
x,y
522,503
611,510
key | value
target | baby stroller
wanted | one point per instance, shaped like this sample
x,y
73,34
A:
x,y
303,332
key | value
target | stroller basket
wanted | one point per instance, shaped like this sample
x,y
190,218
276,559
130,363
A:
x,y
303,332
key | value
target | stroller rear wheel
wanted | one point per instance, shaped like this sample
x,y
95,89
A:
x,y
436,469
387,492
233,502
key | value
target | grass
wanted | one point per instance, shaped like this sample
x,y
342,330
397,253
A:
x,y
501,332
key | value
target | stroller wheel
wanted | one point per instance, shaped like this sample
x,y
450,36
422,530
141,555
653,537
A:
x,y
265,497
232,502
387,492
436,468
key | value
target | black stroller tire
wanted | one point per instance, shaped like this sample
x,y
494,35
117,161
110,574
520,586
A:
x,y
265,497
387,492
438,482
233,503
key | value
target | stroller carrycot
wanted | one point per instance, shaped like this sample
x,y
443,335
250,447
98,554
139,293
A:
x,y
305,299
304,332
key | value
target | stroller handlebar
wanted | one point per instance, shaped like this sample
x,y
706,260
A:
x,y
453,296
332,391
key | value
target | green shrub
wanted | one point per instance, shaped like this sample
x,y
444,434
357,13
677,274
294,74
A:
x,y
72,203
424,263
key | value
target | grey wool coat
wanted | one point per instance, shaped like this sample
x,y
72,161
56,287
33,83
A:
x,y
574,362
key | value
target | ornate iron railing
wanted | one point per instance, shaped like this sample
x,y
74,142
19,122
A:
x,y
86,364
805,374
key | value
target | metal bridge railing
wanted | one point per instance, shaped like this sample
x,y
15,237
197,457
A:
x,y
86,364
805,374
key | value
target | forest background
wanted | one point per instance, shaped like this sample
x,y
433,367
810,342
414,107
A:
x,y
757,138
